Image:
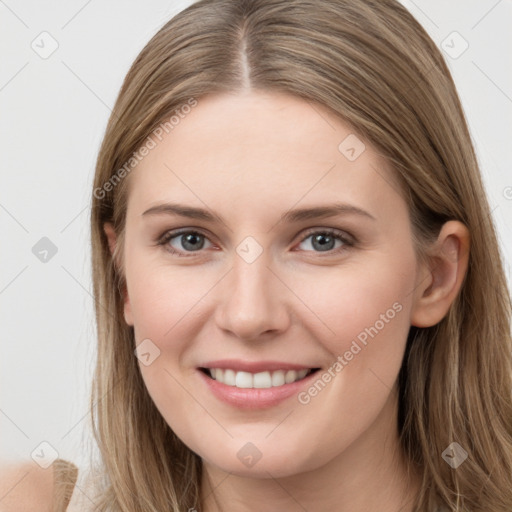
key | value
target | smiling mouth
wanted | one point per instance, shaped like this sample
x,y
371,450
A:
x,y
260,380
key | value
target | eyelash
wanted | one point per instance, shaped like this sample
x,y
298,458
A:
x,y
348,241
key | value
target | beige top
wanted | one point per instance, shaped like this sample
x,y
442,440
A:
x,y
72,489
64,479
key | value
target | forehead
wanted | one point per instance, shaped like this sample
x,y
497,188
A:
x,y
262,149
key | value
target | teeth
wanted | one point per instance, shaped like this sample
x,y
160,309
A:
x,y
257,380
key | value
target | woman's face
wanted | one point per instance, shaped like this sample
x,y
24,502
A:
x,y
258,282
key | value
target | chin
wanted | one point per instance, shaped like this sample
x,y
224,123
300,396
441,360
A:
x,y
246,460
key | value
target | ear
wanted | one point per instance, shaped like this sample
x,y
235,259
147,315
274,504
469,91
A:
x,y
440,280
108,227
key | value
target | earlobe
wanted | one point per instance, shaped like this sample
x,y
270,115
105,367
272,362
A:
x,y
441,280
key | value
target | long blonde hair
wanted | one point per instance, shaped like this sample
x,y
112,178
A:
x,y
373,65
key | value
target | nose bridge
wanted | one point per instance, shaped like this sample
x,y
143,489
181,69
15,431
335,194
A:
x,y
253,301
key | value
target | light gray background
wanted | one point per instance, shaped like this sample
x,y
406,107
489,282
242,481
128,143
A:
x,y
53,115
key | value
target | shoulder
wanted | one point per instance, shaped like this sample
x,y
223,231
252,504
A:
x,y
26,487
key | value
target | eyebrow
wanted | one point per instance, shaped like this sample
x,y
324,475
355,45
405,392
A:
x,y
297,215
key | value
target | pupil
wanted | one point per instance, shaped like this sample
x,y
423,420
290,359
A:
x,y
326,244
189,242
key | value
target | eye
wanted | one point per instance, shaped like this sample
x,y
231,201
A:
x,y
180,243
183,241
325,241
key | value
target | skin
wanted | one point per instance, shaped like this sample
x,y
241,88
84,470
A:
x,y
251,157
26,487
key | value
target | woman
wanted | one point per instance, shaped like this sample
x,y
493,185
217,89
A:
x,y
299,294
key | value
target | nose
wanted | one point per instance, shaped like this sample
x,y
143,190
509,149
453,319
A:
x,y
254,301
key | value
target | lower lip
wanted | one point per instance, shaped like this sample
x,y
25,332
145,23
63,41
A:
x,y
252,398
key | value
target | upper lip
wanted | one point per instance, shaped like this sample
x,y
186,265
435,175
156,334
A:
x,y
254,366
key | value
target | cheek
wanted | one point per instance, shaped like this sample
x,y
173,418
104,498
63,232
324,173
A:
x,y
363,321
163,299
359,302
165,302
